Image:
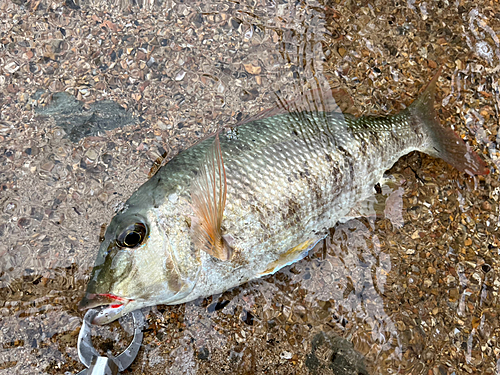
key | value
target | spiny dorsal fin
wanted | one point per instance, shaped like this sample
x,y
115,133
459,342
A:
x,y
208,193
320,100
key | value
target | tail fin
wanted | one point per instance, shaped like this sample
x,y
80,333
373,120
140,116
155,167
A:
x,y
445,143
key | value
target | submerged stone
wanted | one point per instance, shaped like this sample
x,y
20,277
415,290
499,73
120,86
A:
x,y
333,354
79,122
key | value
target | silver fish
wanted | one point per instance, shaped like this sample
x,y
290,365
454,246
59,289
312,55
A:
x,y
244,204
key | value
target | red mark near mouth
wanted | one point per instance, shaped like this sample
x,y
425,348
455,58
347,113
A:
x,y
114,298
121,301
94,300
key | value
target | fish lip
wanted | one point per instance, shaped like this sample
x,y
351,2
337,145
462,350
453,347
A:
x,y
110,307
91,300
109,313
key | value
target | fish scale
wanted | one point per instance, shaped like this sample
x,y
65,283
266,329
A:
x,y
280,163
245,203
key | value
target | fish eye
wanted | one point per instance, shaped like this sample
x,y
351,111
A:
x,y
132,236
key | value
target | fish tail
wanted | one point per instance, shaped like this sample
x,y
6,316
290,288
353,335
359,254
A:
x,y
444,142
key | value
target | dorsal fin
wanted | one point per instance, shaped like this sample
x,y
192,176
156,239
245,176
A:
x,y
315,100
208,194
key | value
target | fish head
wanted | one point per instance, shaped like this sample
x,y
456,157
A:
x,y
141,262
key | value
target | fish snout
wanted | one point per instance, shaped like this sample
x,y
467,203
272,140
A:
x,y
91,300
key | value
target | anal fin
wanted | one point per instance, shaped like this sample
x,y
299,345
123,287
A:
x,y
208,194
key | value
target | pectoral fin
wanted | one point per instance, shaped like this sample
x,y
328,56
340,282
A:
x,y
208,194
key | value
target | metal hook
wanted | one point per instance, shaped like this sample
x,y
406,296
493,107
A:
x,y
97,364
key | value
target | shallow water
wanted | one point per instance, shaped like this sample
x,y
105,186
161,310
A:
x,y
412,291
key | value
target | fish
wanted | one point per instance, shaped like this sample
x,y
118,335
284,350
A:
x,y
245,202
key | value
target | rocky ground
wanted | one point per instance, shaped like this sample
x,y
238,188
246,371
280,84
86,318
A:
x,y
94,94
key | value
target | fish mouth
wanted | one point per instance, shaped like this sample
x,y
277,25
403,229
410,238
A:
x,y
94,300
113,310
